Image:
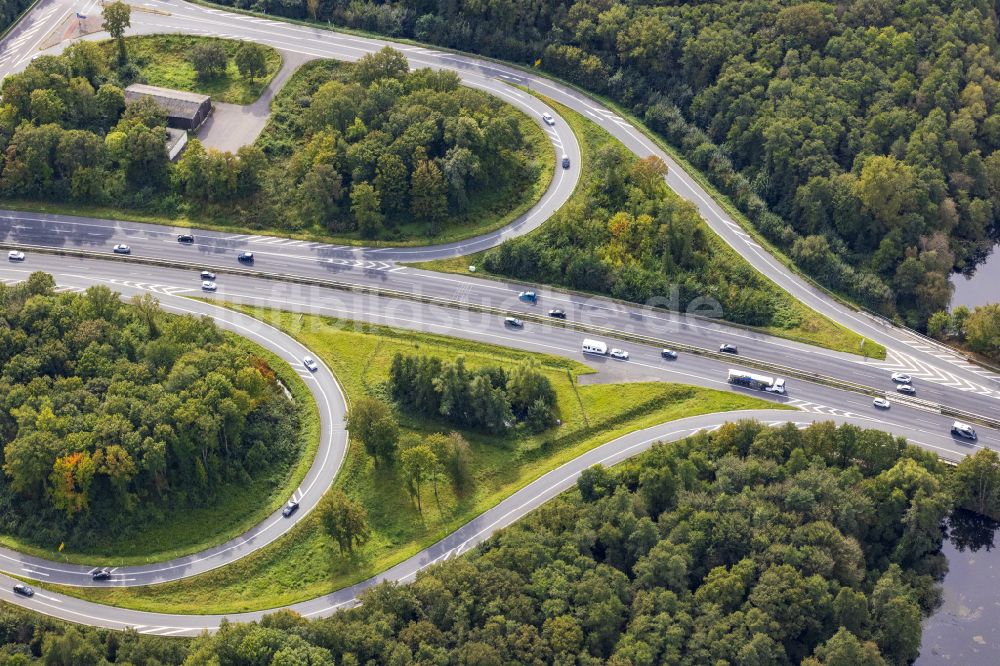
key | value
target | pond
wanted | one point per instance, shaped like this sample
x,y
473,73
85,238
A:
x,y
966,628
981,287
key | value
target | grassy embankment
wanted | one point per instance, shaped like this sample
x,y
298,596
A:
x,y
236,509
305,563
165,60
812,327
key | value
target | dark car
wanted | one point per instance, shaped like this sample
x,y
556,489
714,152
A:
x,y
101,574
565,161
185,238
728,349
290,508
513,322
207,275
558,314
122,248
24,590
245,257
528,296
669,354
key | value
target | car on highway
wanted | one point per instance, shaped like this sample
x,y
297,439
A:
x,y
881,403
549,120
728,349
558,314
24,590
668,354
528,296
565,161
906,389
290,508
101,574
208,285
15,255
901,378
513,322
245,257
963,430
207,275
310,364
620,354
122,248
187,239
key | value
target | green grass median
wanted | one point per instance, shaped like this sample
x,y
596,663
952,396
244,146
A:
x,y
306,563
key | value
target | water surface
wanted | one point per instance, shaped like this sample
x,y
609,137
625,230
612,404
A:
x,y
981,287
966,628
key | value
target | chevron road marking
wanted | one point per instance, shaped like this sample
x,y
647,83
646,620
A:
x,y
897,361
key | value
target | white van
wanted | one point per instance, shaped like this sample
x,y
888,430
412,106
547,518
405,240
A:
x,y
594,347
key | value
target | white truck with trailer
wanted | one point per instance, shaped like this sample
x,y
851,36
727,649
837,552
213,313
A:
x,y
594,347
757,382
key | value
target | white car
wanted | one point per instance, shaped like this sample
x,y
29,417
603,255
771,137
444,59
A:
x,y
881,403
310,364
620,354
208,285
901,378
15,255
549,120
122,248
964,430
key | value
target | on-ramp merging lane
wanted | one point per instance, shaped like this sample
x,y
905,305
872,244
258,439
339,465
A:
x,y
957,383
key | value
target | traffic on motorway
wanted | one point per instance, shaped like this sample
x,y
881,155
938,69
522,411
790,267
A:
x,y
610,329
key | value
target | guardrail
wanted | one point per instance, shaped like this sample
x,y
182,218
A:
x,y
773,368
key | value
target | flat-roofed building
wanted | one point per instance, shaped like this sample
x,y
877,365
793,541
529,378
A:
x,y
185,110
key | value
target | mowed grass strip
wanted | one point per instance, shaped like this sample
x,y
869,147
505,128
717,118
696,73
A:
x,y
165,61
305,563
809,326
235,509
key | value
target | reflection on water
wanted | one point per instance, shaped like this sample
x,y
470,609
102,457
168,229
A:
x,y
966,628
981,287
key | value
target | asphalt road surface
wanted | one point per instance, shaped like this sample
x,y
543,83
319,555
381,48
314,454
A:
x,y
326,463
941,375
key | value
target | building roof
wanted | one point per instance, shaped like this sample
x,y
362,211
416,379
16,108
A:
x,y
177,103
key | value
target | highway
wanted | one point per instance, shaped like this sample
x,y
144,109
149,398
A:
x,y
907,353
941,382
941,376
326,463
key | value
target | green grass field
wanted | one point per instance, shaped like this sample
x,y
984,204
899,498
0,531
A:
x,y
237,509
165,60
305,563
811,326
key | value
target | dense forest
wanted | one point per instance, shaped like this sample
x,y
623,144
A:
x,y
749,545
371,147
112,415
361,148
629,236
10,10
861,137
977,330
493,398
